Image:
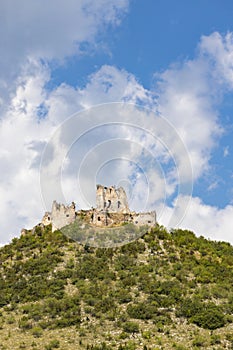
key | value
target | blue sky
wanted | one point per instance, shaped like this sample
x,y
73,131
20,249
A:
x,y
174,58
152,36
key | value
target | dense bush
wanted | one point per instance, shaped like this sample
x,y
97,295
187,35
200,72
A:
x,y
144,311
131,327
210,318
52,313
205,315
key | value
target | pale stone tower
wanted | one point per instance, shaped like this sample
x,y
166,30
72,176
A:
x,y
112,199
60,216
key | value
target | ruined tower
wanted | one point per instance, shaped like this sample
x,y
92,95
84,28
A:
x,y
111,199
111,210
60,216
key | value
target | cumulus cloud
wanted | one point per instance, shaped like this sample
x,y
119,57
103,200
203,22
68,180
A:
x,y
219,50
205,220
25,132
54,29
32,35
117,135
191,92
187,100
49,31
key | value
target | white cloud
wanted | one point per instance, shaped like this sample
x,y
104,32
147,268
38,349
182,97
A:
x,y
54,29
50,31
32,33
107,85
205,220
219,49
213,185
190,93
24,134
186,99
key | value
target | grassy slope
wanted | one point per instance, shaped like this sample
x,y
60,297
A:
x,y
163,291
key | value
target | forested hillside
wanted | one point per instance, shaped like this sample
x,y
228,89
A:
x,y
167,290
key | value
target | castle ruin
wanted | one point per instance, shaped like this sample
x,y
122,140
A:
x,y
111,210
112,199
59,216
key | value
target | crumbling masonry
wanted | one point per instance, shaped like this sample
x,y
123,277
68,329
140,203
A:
x,y
60,216
111,209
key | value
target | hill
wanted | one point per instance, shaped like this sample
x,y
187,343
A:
x,y
166,290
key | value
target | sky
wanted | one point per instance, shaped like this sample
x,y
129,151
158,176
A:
x,y
132,93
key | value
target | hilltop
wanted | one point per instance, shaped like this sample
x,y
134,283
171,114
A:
x,y
112,210
166,290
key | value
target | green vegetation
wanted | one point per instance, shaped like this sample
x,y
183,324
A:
x,y
54,344
167,290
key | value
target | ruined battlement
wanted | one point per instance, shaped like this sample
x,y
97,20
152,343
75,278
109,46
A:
x,y
59,216
112,199
111,209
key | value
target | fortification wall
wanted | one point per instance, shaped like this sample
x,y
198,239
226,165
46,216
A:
x,y
46,220
111,209
112,199
104,218
59,216
62,215
149,219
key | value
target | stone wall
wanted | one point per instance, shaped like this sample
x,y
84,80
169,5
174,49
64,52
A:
x,y
100,218
111,210
60,216
104,218
111,199
46,220
140,219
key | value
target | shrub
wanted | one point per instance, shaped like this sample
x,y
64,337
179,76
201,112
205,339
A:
x,y
215,339
211,318
130,327
144,311
199,341
37,332
10,320
25,323
123,296
54,344
128,346
189,307
204,315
